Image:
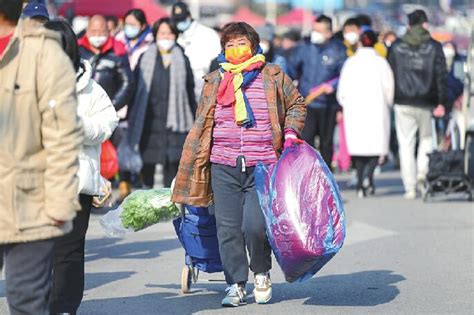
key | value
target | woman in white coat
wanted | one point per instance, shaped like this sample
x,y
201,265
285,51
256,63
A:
x,y
99,121
365,91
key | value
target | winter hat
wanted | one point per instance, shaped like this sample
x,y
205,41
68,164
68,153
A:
x,y
180,12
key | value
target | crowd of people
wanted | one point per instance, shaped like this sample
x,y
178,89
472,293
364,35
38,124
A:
x,y
207,105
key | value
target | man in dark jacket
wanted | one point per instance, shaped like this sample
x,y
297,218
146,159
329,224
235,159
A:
x,y
419,67
109,62
316,64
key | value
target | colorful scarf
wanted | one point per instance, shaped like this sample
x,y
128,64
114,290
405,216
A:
x,y
235,78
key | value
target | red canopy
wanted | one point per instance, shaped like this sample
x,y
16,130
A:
x,y
295,18
244,14
113,7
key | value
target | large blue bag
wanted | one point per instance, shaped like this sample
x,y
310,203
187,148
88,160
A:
x,y
303,211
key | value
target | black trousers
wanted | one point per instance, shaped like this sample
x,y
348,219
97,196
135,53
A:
x,y
28,276
365,167
321,122
240,223
170,169
68,268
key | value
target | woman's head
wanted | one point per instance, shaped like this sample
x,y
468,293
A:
x,y
69,40
165,33
239,34
239,41
368,39
135,23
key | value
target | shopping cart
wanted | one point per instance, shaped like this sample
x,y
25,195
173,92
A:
x,y
446,172
197,232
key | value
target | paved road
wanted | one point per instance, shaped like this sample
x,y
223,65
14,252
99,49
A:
x,y
400,257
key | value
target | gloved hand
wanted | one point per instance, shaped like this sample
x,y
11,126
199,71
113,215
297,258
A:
x,y
291,140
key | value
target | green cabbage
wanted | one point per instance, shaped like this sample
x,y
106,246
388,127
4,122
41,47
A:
x,y
144,208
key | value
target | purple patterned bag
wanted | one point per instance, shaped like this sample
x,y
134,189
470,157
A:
x,y
303,211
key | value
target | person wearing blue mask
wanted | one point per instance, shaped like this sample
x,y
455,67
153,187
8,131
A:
x,y
36,10
201,44
136,35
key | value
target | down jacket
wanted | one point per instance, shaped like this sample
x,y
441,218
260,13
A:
x,y
110,68
41,136
99,119
313,65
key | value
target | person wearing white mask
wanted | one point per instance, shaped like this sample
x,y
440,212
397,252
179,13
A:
x,y
317,64
389,38
109,61
136,35
351,31
201,44
164,106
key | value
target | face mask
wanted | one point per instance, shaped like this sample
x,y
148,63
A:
x,y
265,47
449,53
97,41
165,44
183,25
352,38
317,38
238,55
388,44
131,31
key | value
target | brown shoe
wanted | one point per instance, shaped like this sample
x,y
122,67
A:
x,y
124,189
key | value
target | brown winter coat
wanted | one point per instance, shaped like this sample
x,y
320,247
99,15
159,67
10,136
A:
x,y
287,110
40,137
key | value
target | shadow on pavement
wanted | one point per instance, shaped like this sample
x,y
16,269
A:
x,y
367,288
98,279
112,249
154,303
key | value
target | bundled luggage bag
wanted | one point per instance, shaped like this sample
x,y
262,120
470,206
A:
x,y
197,232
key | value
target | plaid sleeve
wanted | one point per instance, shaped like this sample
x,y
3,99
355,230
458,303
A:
x,y
295,106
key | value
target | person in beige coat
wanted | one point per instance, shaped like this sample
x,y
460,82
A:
x,y
40,141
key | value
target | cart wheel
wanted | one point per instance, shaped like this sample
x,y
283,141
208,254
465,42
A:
x,y
426,191
186,279
195,274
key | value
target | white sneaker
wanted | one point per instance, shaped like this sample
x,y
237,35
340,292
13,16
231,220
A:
x,y
263,288
410,195
236,296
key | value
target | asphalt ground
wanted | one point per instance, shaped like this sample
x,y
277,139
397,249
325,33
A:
x,y
400,257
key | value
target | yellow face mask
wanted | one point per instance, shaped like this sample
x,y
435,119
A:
x,y
238,55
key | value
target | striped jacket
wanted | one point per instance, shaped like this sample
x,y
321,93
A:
x,y
287,110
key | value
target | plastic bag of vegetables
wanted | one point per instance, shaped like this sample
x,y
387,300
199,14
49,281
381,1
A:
x,y
141,209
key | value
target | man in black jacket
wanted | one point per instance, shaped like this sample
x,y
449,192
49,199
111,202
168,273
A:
x,y
419,67
109,61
